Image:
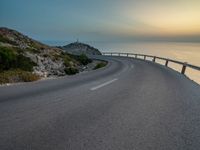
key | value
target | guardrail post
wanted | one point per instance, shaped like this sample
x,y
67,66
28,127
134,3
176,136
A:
x,y
144,57
166,63
154,59
118,54
135,55
183,68
127,54
111,54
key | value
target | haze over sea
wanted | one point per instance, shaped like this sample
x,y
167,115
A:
x,y
181,51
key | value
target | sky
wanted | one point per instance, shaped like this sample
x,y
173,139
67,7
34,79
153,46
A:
x,y
104,20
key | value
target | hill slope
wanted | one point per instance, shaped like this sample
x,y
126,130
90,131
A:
x,y
78,48
20,52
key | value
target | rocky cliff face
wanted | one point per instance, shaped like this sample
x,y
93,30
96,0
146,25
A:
x,y
78,48
49,60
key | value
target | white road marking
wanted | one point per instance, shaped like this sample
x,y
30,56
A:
x,y
103,84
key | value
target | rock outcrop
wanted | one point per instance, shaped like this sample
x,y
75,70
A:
x,y
78,48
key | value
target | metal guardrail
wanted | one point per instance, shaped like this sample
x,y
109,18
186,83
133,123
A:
x,y
184,64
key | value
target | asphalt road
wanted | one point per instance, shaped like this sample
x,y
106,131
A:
x,y
128,105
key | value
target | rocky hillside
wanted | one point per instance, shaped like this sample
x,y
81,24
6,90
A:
x,y
19,52
78,48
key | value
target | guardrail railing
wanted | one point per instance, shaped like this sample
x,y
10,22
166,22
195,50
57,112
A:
x,y
184,64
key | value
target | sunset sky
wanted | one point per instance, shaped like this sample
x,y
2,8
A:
x,y
104,20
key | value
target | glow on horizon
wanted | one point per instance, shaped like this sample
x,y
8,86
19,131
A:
x,y
166,18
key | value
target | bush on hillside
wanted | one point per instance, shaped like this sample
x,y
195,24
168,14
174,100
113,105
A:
x,y
10,59
82,59
7,58
71,70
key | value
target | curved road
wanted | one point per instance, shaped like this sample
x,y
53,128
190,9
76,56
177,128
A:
x,y
128,105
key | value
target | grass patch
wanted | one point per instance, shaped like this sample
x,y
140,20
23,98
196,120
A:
x,y
13,76
100,65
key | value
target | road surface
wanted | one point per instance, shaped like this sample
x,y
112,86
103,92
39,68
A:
x,y
128,105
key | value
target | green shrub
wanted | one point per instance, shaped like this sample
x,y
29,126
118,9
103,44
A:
x,y
13,76
100,65
75,59
7,58
24,63
82,59
10,59
66,59
71,70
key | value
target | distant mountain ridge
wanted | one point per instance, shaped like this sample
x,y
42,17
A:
x,y
78,48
